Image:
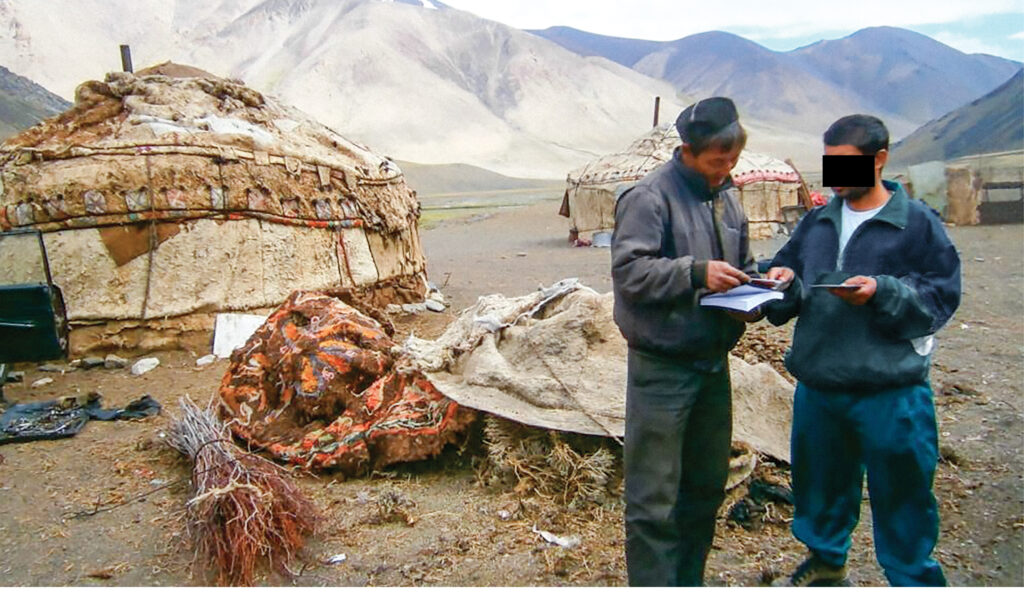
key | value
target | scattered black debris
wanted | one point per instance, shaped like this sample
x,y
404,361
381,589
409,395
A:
x,y
747,513
762,492
751,510
65,416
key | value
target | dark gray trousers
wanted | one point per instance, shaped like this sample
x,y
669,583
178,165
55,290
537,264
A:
x,y
678,434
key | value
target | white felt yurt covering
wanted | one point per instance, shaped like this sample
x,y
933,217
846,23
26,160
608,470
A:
x,y
766,185
165,199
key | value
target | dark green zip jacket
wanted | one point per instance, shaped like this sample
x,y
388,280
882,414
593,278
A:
x,y
664,237
840,347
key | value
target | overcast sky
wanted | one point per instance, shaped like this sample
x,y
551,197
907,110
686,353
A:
x,y
988,26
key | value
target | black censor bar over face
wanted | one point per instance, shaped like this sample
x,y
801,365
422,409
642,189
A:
x,y
848,170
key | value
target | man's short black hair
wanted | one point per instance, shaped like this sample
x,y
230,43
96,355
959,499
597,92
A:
x,y
727,139
867,133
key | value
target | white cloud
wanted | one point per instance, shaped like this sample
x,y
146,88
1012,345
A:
x,y
672,19
968,45
1018,35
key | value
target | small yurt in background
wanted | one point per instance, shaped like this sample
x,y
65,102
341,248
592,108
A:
x,y
768,187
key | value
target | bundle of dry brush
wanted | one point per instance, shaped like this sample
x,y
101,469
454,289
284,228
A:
x,y
570,468
244,509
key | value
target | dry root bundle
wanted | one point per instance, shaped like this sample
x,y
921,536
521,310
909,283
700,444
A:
x,y
564,466
244,508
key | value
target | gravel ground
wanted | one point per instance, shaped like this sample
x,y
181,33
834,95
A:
x,y
456,527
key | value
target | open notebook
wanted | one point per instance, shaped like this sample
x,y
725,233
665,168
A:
x,y
743,298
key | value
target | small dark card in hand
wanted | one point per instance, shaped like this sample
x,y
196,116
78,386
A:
x,y
766,283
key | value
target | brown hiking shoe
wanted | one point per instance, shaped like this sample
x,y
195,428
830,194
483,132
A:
x,y
815,573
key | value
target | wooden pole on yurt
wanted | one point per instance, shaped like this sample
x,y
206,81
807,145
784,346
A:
x,y
803,192
126,58
657,109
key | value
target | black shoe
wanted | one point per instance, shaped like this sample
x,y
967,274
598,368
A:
x,y
815,573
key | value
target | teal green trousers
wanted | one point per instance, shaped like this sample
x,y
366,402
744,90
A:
x,y
891,436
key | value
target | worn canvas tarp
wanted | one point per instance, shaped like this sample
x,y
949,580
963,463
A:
x,y
555,359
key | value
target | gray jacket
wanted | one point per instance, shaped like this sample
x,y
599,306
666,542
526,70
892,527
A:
x,y
664,237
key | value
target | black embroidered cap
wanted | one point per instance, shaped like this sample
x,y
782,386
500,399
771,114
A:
x,y
706,117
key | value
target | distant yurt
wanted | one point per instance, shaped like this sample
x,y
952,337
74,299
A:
x,y
170,195
769,188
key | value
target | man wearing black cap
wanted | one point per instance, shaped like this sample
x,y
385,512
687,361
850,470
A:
x,y
679,233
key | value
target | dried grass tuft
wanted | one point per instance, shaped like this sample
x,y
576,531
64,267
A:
x,y
393,506
566,467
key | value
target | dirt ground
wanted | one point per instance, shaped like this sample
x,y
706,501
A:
x,y
461,531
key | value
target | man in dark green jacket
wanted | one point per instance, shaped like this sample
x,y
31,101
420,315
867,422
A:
x,y
861,354
679,233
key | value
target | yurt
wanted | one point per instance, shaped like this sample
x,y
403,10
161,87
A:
x,y
170,195
767,186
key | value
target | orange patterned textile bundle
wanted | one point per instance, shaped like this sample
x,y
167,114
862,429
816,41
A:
x,y
317,386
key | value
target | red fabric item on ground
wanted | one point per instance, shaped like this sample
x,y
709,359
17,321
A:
x,y
316,386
